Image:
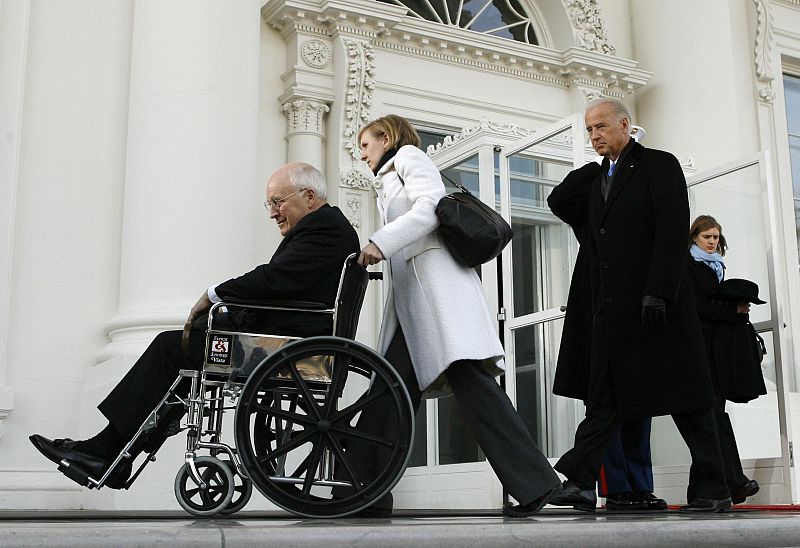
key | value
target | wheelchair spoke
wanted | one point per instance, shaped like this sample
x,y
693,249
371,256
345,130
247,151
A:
x,y
350,411
288,446
313,464
342,459
278,412
301,384
337,383
353,433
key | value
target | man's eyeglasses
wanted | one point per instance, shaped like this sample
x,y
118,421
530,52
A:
x,y
277,203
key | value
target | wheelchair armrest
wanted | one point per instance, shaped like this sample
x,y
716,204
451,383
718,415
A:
x,y
302,305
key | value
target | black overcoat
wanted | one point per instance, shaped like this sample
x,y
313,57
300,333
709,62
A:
x,y
636,243
735,370
570,202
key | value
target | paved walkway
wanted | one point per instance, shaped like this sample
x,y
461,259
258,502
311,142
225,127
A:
x,y
553,527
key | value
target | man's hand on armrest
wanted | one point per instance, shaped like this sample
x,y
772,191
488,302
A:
x,y
202,306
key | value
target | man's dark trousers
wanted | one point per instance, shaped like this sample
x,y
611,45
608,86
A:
x,y
627,466
581,464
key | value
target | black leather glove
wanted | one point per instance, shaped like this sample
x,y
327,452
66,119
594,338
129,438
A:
x,y
654,312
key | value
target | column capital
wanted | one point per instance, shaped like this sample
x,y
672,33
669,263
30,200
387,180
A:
x,y
305,116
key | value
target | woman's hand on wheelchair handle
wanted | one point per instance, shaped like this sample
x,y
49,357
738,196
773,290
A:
x,y
371,254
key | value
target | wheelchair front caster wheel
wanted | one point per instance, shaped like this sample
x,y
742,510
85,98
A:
x,y
218,492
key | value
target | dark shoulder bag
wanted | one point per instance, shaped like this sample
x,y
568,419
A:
x,y
473,232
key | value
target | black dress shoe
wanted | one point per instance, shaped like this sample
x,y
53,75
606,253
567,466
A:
x,y
572,495
747,489
64,451
625,502
707,505
525,510
652,501
81,465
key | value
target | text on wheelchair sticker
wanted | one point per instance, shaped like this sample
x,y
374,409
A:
x,y
219,349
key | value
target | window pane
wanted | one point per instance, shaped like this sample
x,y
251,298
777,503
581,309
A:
x,y
735,199
481,16
465,174
791,90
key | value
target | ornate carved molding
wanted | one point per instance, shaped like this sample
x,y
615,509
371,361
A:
x,y
356,178
305,116
588,27
762,51
315,53
512,131
591,94
353,211
385,26
574,66
360,87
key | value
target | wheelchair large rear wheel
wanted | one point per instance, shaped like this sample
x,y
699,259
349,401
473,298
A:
x,y
324,448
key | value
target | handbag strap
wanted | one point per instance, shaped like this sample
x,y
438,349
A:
x,y
462,188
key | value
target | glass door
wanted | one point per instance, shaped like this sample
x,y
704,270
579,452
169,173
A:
x,y
447,467
537,268
740,196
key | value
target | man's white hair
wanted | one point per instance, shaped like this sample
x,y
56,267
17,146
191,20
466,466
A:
x,y
617,106
307,176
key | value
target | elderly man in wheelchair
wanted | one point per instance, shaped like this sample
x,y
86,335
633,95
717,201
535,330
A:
x,y
275,345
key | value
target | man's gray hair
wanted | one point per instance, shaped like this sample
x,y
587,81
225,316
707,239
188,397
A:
x,y
307,176
617,106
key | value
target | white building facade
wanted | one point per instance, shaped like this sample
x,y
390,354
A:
x,y
136,137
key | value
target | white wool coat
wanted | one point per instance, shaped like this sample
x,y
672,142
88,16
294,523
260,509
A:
x,y
439,303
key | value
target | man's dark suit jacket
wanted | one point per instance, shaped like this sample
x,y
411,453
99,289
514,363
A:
x,y
305,267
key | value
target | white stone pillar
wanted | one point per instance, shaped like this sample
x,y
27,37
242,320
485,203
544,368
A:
x,y
13,37
191,188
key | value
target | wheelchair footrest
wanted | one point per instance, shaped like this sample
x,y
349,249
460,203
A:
x,y
75,473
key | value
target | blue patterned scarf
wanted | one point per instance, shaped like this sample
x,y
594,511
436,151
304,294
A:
x,y
713,260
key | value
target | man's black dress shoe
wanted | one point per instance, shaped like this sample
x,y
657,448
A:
x,y
747,489
707,505
572,495
525,510
625,502
62,452
652,501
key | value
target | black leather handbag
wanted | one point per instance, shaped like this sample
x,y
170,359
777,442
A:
x,y
473,232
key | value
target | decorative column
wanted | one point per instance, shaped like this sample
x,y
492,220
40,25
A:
x,y
13,37
191,180
305,132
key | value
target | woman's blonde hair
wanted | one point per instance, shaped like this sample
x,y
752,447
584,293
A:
x,y
397,129
707,222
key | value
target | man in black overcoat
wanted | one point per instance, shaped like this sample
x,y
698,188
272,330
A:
x,y
644,338
306,266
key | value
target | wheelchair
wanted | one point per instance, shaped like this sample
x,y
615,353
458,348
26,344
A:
x,y
297,404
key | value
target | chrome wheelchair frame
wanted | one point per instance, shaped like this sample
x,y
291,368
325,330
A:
x,y
298,403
